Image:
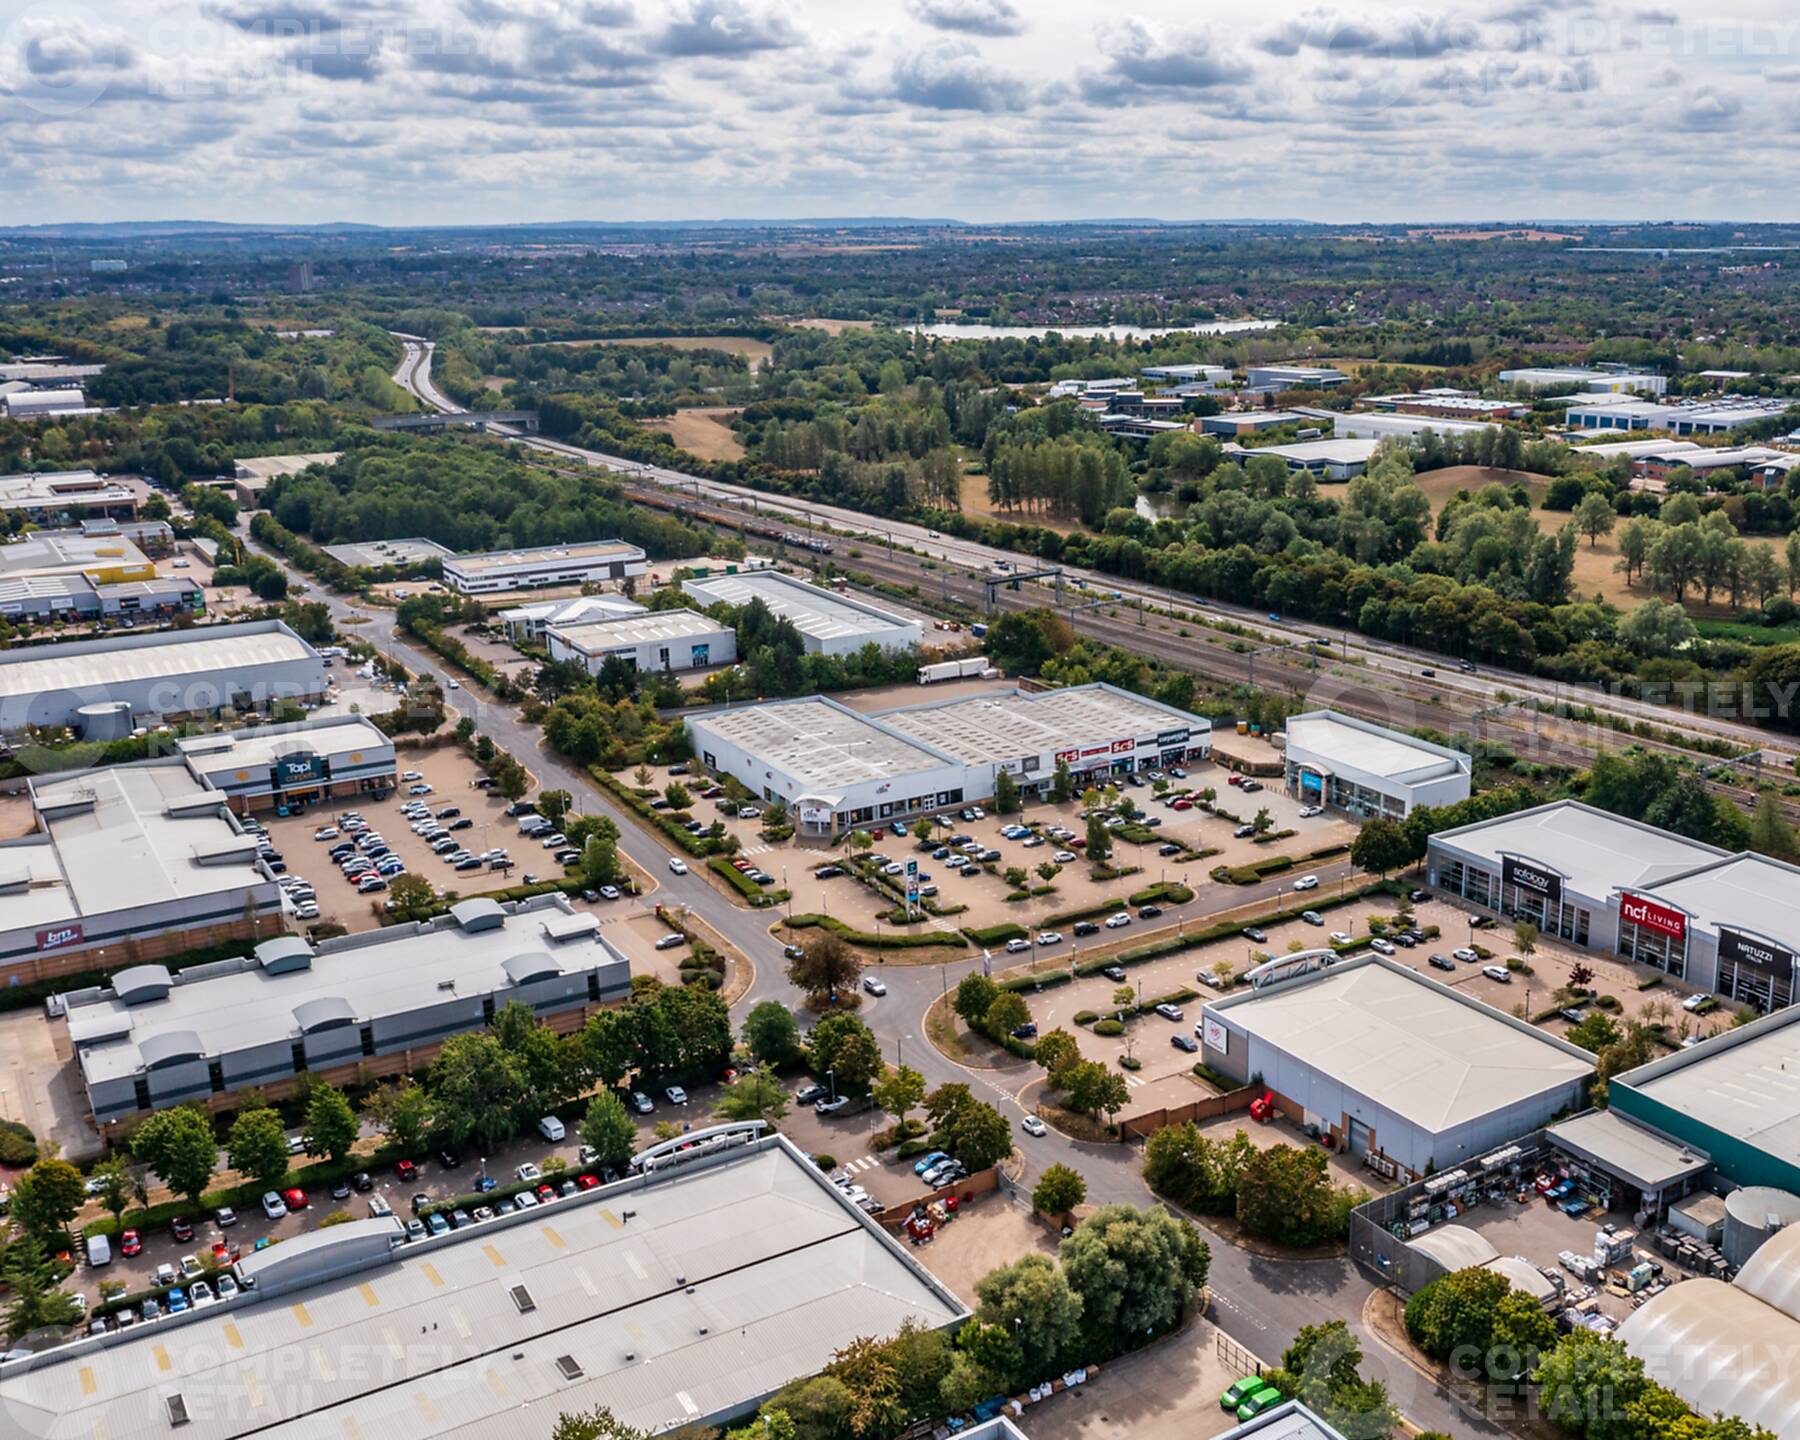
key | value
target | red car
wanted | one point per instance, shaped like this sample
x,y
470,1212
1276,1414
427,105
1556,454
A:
x,y
406,1170
181,1229
587,1182
223,1255
294,1199
1182,804
546,1193
130,1244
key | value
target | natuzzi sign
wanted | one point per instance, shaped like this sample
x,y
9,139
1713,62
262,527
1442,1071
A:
x,y
1735,947
1636,910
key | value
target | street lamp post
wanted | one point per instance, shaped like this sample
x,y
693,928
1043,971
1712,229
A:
x,y
831,1080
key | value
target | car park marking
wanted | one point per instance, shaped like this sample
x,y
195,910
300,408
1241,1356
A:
x,y
867,1162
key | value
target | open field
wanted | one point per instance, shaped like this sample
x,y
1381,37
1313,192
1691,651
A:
x,y
975,502
757,352
829,326
705,433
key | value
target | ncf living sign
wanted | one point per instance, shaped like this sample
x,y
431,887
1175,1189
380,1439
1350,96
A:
x,y
1637,910
60,938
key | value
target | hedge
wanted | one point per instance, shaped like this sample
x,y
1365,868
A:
x,y
1085,1017
885,941
996,934
1251,874
1108,1027
700,845
1043,980
1172,891
743,884
1086,912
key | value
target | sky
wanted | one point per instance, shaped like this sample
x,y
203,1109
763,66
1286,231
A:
x,y
424,112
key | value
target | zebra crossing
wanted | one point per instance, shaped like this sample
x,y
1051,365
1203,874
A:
x,y
865,1162
1133,1081
748,850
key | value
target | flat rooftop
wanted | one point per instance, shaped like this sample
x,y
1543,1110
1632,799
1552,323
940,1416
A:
x,y
52,551
345,736
1357,745
813,611
264,468
1744,1083
821,743
237,1005
1322,452
651,626
122,659
985,729
373,554
578,611
61,487
1746,892
118,838
1594,851
1648,1159
672,1301
1418,1048
548,555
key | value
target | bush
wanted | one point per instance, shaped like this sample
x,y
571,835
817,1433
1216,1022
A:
x,y
825,1162
18,1146
1608,1002
1170,892
1650,983
885,941
991,935
910,1148
1085,1017
1109,1026
1130,1062
1086,912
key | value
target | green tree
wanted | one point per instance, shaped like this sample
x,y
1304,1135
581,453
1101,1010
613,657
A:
x,y
401,1111
179,1146
47,1197
1008,1012
1006,794
600,853
1056,1051
331,1127
1588,1383
1091,1088
1770,832
1595,517
553,805
1062,784
975,994
825,966
844,1048
867,1373
1525,937
1099,838
756,1096
1284,1193
607,1129
257,1146
476,1089
538,1057
1382,847
1134,1270
900,1090
1195,1170
772,1034
1032,1305
597,1424
117,1186
677,795
976,1134
609,1045
36,1303
1058,1191
1262,822
412,896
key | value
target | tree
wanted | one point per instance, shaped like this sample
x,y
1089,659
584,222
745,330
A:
x,y
1092,1088
866,1372
1262,822
1008,1012
401,1111
825,965
47,1197
1285,1194
597,1424
977,1134
1048,870
600,852
1595,517
257,1146
845,1048
117,1186
36,1303
1656,629
1588,1382
1770,831
554,804
1099,838
756,1096
975,994
1006,794
677,795
179,1146
772,1035
1135,1270
1032,1305
607,1129
900,1090
331,1127
1056,1052
1381,847
538,1057
1525,936
412,896
1062,785
1194,1170
1059,1190
476,1088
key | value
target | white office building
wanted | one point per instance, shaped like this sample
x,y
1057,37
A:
x,y
592,562
1580,377
654,640
1293,377
529,622
1347,764
1378,425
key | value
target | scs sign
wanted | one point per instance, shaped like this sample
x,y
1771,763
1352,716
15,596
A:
x,y
1636,910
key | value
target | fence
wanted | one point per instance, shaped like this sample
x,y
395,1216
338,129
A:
x,y
1211,1107
1234,1357
982,1182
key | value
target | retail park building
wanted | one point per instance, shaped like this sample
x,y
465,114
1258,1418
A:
x,y
1347,764
837,769
1721,922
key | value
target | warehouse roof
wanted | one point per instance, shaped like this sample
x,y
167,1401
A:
x,y
340,738
1432,1056
1358,745
547,555
813,611
1743,1082
261,469
62,487
578,611
624,631
68,552
1595,851
1455,1247
985,729
1747,892
1728,1349
276,994
1648,1160
121,659
1290,1420
673,1302
821,743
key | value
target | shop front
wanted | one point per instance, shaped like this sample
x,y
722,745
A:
x,y
1654,933
1754,970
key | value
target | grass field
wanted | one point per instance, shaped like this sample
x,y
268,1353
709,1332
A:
x,y
706,434
757,352
829,326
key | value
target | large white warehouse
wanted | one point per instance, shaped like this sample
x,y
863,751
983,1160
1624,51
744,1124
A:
x,y
829,624
654,640
1348,764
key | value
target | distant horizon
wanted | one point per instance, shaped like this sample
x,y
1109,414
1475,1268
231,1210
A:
x,y
416,115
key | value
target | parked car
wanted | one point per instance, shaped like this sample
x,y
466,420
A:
x,y
676,1095
829,1106
1442,962
807,1094
1169,1011
1115,973
1312,917
1498,973
1252,933
181,1229
1466,955
874,986
641,1102
1183,1041
273,1207
1381,946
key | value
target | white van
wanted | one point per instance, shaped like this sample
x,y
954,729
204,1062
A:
x,y
551,1129
99,1250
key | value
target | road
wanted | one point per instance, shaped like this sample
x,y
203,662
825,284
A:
x,y
1458,691
1260,1303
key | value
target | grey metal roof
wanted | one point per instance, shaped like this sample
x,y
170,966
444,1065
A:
x,y
597,636
168,1046
98,664
1748,892
818,613
675,1299
985,729
1646,1159
1744,1082
819,742
1345,740
322,1013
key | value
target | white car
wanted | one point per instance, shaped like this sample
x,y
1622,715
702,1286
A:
x,y
1466,955
1497,972
528,1171
1064,857
1032,1125
677,866
1017,945
874,986
1382,947
411,775
1338,937
1050,937
1116,922
453,684
1308,811
273,1206
326,832
676,1095
1307,882
1694,1002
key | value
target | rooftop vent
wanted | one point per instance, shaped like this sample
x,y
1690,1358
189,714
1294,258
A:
x,y
178,1411
521,1297
569,1366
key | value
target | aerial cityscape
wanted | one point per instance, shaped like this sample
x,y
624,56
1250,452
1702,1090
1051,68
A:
x,y
886,722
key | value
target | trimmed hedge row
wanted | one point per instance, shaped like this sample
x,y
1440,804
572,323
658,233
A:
x,y
701,845
885,941
1086,912
996,934
1172,891
760,898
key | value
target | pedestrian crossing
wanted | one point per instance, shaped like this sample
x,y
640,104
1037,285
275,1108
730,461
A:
x,y
748,850
866,1162
1133,1081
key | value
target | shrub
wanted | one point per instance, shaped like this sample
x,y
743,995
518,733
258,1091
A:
x,y
825,1162
1085,1017
18,1146
1108,1026
1608,1002
909,1148
990,935
1130,1062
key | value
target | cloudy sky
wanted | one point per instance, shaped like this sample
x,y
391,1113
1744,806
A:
x,y
435,111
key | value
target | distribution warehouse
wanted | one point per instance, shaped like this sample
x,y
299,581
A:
x,y
1722,922
1348,764
829,624
380,1002
675,1299
654,640
836,768
139,679
587,563
1386,1062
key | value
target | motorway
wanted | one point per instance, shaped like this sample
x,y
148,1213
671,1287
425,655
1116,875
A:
x,y
1392,670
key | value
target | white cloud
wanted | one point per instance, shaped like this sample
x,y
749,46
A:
x,y
974,17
